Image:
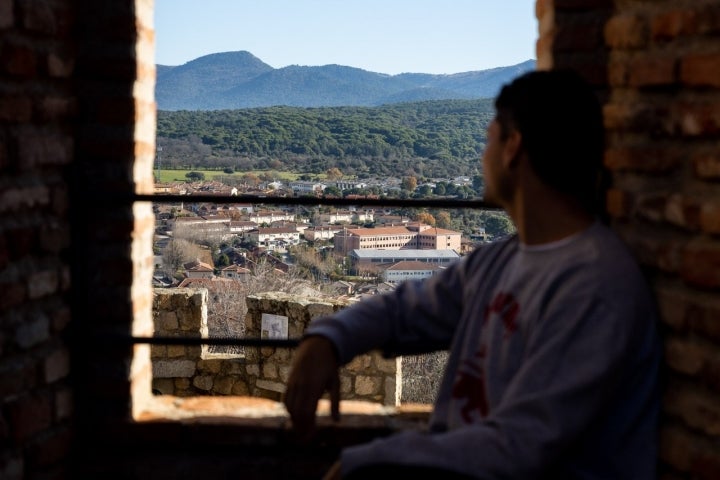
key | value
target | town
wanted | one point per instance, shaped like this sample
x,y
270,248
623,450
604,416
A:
x,y
237,249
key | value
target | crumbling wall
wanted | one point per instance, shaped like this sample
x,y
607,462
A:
x,y
184,370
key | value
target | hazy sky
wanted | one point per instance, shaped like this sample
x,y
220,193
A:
x,y
385,36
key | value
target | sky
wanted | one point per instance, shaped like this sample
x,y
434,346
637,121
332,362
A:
x,y
383,36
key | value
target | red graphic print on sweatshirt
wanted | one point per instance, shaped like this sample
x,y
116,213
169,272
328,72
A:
x,y
470,382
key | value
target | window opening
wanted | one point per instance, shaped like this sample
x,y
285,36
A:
x,y
221,214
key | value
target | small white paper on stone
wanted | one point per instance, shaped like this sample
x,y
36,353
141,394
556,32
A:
x,y
274,327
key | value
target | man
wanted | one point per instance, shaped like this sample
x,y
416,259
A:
x,y
553,366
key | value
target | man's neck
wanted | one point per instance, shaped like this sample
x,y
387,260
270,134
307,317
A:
x,y
546,217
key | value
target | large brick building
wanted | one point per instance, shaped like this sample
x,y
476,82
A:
x,y
411,236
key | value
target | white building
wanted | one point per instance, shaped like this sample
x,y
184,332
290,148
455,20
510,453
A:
x,y
274,239
406,270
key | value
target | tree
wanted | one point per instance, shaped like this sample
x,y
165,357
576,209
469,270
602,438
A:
x,y
332,191
334,173
251,179
195,176
443,219
409,184
498,225
177,252
426,218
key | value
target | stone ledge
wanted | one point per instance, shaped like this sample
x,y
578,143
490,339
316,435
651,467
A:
x,y
264,413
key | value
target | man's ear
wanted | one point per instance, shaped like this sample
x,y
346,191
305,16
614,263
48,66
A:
x,y
512,149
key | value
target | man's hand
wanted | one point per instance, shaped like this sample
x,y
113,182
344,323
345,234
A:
x,y
314,371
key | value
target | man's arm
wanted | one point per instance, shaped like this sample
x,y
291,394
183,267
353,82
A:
x,y
417,316
314,371
578,371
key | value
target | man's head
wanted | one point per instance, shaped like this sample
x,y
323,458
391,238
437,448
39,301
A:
x,y
559,122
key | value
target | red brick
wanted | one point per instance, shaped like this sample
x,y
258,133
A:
x,y
647,118
701,70
60,319
696,119
40,148
707,165
7,15
50,449
683,211
668,25
29,415
618,203
689,452
694,358
56,366
60,65
685,310
42,284
662,252
16,377
57,108
710,217
12,295
708,19
54,238
582,4
646,72
701,263
653,159
18,60
626,31
38,17
15,109
698,408
64,404
578,36
651,206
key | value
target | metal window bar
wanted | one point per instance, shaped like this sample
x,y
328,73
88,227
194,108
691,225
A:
x,y
270,200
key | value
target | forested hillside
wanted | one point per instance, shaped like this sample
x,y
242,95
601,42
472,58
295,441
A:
x,y
430,139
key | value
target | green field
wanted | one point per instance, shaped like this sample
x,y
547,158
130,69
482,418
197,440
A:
x,y
167,176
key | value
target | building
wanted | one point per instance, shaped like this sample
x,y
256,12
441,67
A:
x,y
305,188
198,269
321,232
346,216
372,262
235,272
409,270
411,236
274,238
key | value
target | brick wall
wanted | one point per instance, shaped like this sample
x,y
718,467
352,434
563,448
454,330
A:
x,y
37,109
657,68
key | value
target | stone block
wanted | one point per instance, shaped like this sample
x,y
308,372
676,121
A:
x,y
173,368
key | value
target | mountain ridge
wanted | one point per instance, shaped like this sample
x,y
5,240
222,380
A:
x,y
233,80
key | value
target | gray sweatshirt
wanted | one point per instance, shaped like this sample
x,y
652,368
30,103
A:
x,y
553,366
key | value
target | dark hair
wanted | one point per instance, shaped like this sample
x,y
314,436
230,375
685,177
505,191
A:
x,y
560,120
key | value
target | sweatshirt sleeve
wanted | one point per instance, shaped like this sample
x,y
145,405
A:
x,y
573,365
418,316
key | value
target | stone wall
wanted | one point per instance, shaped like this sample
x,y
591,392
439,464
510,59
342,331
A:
x,y
183,370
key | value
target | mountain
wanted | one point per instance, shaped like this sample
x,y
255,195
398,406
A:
x,y
234,80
